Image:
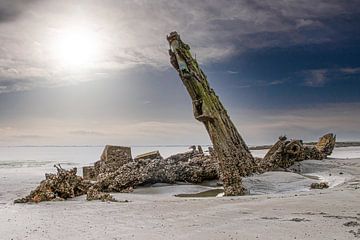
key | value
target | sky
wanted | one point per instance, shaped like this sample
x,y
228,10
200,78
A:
x,y
90,72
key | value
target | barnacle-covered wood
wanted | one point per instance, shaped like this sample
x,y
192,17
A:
x,y
94,194
326,144
235,159
149,155
284,153
112,158
124,174
192,167
60,186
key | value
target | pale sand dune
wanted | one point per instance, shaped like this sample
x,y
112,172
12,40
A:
x,y
154,213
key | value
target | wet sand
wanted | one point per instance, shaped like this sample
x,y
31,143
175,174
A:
x,y
282,207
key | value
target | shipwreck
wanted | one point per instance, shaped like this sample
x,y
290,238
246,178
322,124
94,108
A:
x,y
229,160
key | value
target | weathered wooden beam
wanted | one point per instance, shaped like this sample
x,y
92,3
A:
x,y
235,159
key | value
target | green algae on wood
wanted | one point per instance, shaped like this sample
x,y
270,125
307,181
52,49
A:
x,y
235,159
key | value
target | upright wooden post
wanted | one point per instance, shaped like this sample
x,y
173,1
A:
x,y
235,159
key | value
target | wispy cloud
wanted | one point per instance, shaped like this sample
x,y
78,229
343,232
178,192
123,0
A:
x,y
350,70
321,77
28,136
261,83
5,129
86,133
315,78
302,23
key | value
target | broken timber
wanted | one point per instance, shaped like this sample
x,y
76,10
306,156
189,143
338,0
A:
x,y
235,159
118,172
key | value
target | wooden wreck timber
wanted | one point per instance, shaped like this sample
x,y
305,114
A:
x,y
284,153
326,144
112,158
149,155
60,186
192,167
235,159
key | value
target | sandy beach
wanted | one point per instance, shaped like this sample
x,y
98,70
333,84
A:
x,y
281,206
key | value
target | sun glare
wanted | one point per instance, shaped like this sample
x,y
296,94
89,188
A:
x,y
76,47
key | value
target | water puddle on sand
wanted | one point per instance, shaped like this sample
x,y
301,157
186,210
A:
x,y
270,185
207,193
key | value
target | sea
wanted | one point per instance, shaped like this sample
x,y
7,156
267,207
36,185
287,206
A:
x,y
79,156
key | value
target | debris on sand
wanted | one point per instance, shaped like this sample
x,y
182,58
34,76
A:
x,y
94,194
356,233
320,185
351,224
60,186
299,220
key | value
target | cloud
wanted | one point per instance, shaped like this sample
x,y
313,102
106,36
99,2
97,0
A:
x,y
301,23
321,77
86,133
11,9
28,136
13,85
132,33
350,70
316,78
5,129
12,134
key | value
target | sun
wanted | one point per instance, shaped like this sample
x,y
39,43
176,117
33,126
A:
x,y
76,47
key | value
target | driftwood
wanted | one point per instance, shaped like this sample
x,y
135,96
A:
x,y
235,159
